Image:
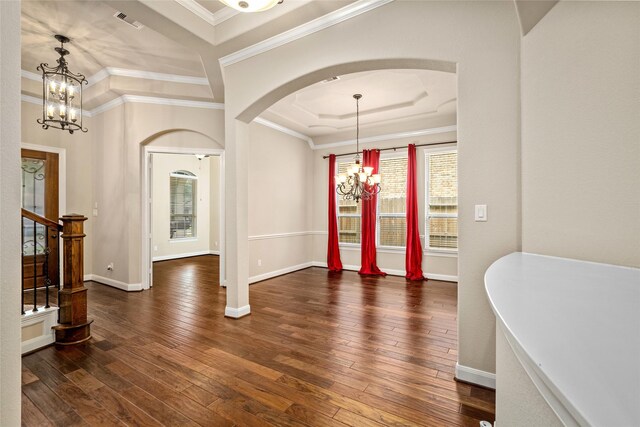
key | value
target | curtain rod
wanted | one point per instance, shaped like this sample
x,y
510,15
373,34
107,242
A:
x,y
397,148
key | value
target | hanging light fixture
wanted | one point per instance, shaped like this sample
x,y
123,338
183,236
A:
x,y
251,5
61,93
359,182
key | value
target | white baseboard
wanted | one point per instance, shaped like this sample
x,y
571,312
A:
x,y
129,287
475,376
184,255
392,272
214,252
272,274
237,313
48,317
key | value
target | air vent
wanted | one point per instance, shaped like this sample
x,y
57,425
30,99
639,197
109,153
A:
x,y
124,18
331,79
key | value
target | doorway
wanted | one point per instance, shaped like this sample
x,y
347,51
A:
x,y
183,207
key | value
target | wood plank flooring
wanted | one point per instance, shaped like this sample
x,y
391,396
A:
x,y
319,349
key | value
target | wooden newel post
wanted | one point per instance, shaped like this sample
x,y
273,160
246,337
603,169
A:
x,y
74,327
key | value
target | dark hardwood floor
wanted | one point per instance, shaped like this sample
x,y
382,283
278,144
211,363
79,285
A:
x,y
319,349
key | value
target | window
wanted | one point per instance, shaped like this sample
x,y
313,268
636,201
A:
x,y
391,221
441,173
182,190
392,203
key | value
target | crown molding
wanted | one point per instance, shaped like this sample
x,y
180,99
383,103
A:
x,y
136,74
286,130
205,14
354,9
389,136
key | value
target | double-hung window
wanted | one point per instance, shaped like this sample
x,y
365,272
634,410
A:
x,y
391,210
183,194
441,176
392,203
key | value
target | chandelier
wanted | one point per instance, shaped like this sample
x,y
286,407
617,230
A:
x,y
358,182
61,93
251,5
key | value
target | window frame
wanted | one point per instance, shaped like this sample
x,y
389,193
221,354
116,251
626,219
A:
x,y
184,174
453,148
400,154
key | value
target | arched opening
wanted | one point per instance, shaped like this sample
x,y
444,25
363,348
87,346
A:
x,y
182,201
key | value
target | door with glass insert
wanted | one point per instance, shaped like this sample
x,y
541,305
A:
x,y
39,195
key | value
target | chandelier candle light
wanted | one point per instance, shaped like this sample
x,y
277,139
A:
x,y
61,93
359,182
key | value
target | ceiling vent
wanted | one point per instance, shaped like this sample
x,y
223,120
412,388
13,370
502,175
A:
x,y
124,18
331,79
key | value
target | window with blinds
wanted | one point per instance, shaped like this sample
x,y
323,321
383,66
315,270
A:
x,y
182,190
392,202
391,212
441,173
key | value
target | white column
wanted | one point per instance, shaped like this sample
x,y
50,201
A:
x,y
236,213
10,213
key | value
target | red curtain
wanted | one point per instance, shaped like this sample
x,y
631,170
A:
x,y
333,250
413,257
368,264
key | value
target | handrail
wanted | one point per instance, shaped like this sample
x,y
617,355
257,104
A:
x,y
41,220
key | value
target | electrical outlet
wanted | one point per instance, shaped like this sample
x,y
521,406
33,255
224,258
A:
x,y
216,243
259,263
155,247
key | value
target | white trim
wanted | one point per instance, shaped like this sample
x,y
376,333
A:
x,y
280,235
236,313
105,107
205,14
389,136
276,273
150,75
354,9
97,77
49,318
172,101
183,255
129,287
286,130
475,376
212,252
31,76
392,272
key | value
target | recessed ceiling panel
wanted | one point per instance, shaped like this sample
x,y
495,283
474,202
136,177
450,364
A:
x,y
387,96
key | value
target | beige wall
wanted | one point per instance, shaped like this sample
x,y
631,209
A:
x,y
434,263
403,34
280,200
117,174
9,213
163,166
79,151
215,197
581,133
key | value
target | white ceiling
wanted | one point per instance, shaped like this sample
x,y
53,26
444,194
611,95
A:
x,y
184,38
388,96
98,40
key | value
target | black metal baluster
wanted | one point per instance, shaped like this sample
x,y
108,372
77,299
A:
x,y
35,267
22,263
47,281
57,237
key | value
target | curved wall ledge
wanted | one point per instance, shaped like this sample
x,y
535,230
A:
x,y
574,326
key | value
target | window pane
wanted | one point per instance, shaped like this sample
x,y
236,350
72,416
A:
x,y
349,229
394,186
393,231
182,205
346,206
443,233
443,183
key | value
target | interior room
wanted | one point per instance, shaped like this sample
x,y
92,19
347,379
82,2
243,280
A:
x,y
345,213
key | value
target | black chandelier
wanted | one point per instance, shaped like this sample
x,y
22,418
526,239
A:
x,y
358,182
61,93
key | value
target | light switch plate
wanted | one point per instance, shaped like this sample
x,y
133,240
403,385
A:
x,y
481,213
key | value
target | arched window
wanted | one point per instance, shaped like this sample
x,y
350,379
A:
x,y
183,195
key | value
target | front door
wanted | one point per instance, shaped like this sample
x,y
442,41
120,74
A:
x,y
40,196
